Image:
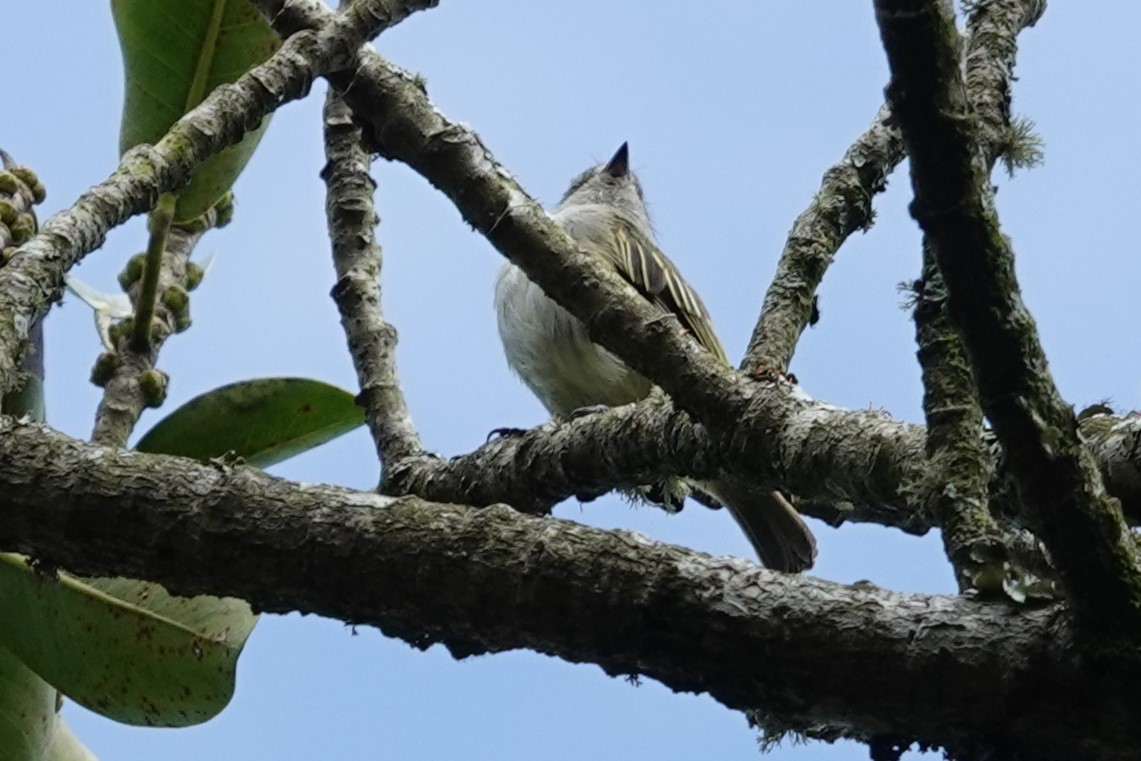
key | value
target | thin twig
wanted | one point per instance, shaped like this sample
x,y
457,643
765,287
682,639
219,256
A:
x,y
843,204
158,228
128,375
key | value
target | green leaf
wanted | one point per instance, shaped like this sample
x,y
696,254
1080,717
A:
x,y
124,658
174,53
27,711
124,648
127,649
264,421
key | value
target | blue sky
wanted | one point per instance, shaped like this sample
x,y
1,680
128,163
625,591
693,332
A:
x,y
733,110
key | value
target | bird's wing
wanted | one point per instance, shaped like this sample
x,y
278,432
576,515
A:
x,y
651,272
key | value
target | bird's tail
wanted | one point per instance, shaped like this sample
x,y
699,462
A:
x,y
777,532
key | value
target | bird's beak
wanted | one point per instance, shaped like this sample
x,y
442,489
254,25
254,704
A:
x,y
619,166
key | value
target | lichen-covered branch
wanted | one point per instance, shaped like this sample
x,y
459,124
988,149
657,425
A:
x,y
357,259
960,466
1062,492
583,458
813,655
845,465
954,488
35,277
842,206
989,57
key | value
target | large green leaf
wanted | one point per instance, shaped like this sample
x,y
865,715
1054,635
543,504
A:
x,y
174,53
127,649
264,421
121,655
124,648
27,711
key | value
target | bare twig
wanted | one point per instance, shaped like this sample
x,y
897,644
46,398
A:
x,y
1064,498
357,258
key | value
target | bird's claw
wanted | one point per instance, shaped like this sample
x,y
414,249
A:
x,y
582,412
503,433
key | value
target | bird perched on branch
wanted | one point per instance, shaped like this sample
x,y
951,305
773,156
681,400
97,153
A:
x,y
549,348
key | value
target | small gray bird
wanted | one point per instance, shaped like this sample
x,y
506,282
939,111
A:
x,y
604,213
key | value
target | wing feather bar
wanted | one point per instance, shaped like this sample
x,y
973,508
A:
x,y
652,273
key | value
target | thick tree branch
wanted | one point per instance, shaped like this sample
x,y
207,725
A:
x,y
812,655
34,277
357,260
1063,495
961,466
846,465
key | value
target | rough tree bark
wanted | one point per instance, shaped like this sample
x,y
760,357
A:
x,y
977,677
